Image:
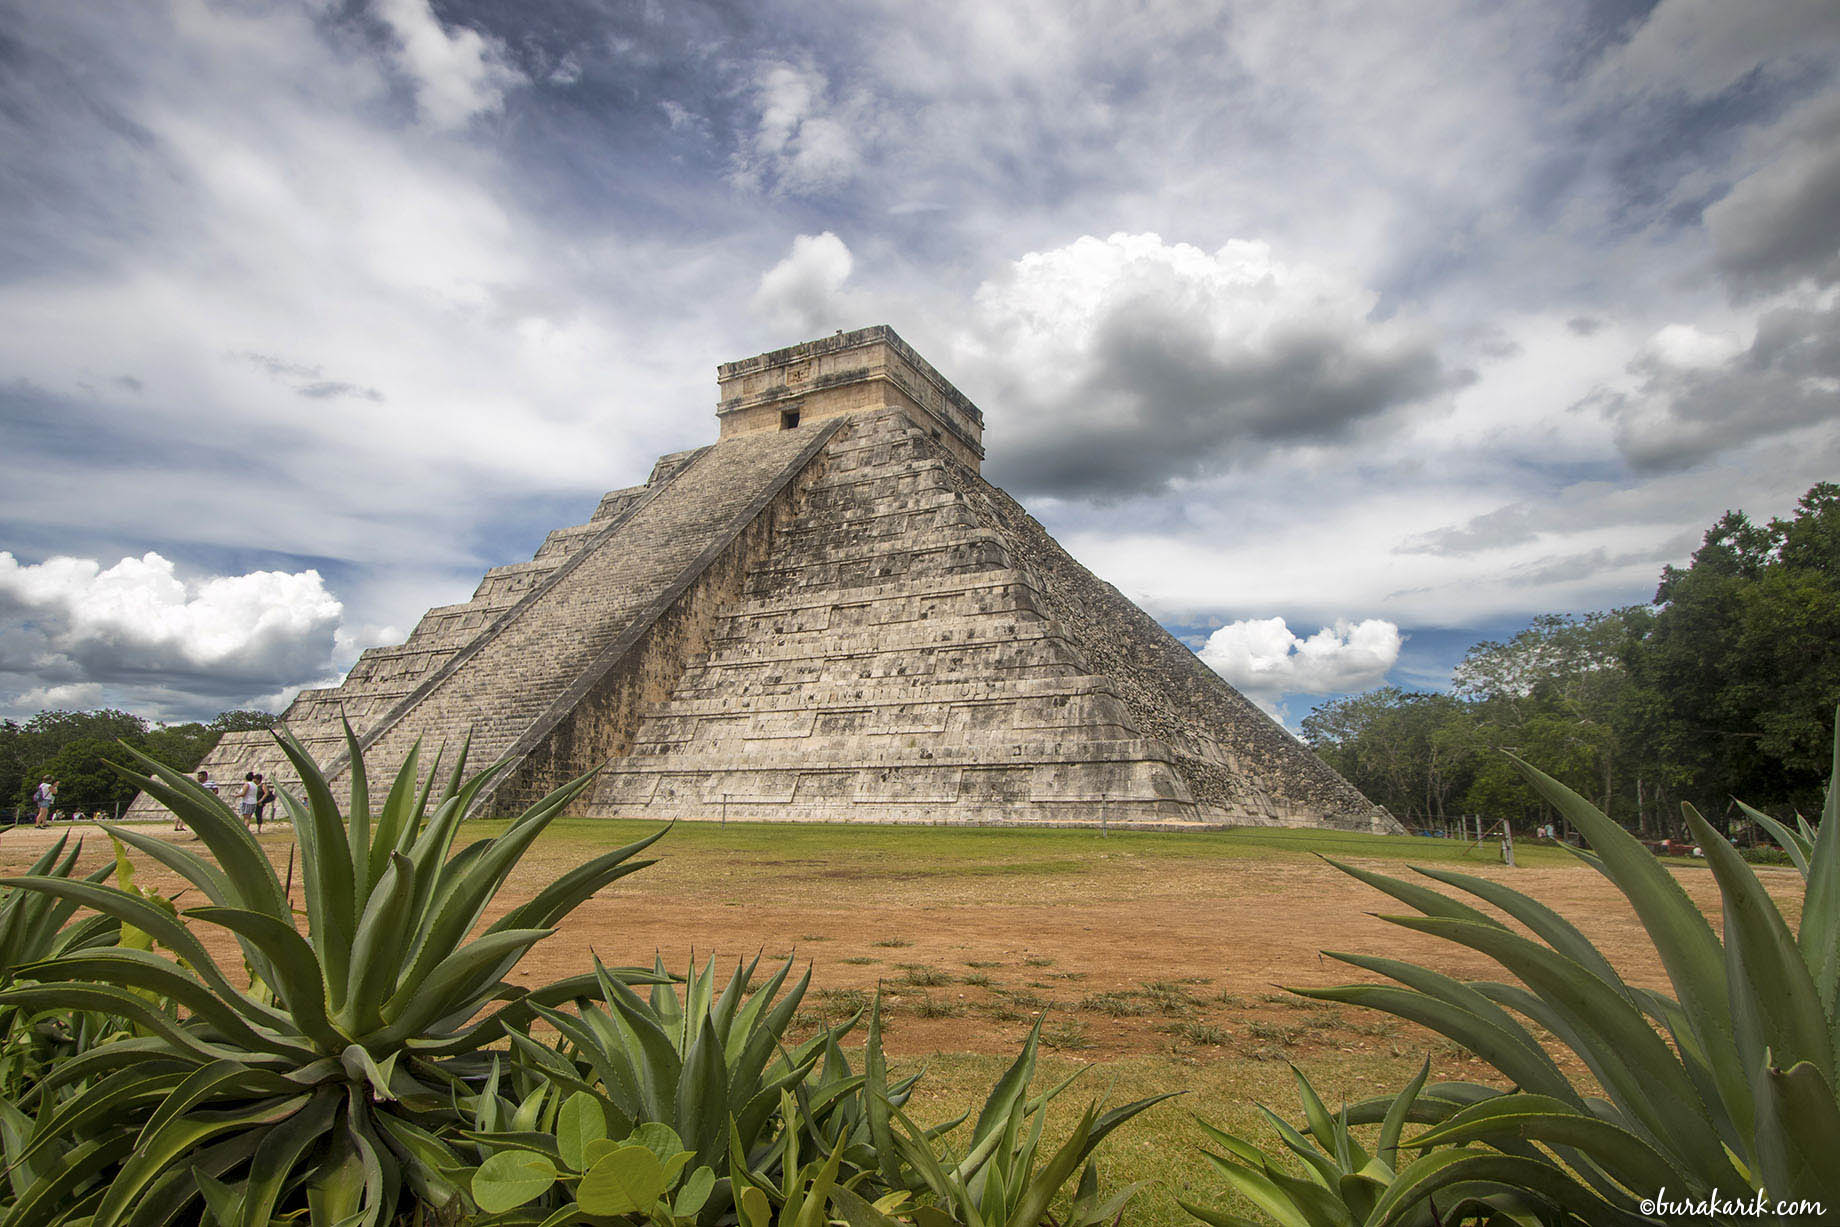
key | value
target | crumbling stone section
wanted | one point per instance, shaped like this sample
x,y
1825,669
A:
x,y
825,616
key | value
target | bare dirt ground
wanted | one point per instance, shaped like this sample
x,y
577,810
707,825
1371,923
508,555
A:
x,y
1133,945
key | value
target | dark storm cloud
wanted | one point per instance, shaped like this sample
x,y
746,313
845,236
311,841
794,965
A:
x,y
135,627
1179,414
1781,225
1187,364
1787,379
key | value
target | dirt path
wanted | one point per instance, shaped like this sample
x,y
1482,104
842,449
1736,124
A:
x,y
1142,949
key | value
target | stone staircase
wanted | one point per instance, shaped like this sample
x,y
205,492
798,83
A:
x,y
888,662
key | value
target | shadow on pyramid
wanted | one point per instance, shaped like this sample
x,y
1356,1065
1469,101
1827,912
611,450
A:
x,y
825,616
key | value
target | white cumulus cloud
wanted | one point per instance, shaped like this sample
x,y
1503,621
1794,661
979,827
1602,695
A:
x,y
1264,659
78,626
1126,362
804,293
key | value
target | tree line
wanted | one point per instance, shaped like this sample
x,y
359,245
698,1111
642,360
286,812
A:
x,y
1724,687
75,748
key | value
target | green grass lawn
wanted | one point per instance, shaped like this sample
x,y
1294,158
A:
x,y
954,849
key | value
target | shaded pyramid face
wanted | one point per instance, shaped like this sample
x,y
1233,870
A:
x,y
826,616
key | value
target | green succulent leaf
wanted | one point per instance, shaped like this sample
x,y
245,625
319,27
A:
x,y
626,1180
511,1178
579,1122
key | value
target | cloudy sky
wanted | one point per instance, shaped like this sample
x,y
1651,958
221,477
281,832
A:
x,y
1339,335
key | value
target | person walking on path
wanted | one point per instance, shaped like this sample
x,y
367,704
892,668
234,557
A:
x,y
246,800
265,797
46,796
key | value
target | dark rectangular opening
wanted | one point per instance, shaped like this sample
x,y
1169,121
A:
x,y
788,418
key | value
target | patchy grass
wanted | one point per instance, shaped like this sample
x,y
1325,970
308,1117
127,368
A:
x,y
1117,1005
1192,1032
1276,1033
929,1006
923,976
837,1004
1066,1034
894,943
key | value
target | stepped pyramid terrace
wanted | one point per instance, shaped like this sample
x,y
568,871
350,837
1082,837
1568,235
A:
x,y
826,615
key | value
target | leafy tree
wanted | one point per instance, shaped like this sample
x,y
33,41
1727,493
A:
x,y
86,782
76,746
1407,750
242,721
1739,669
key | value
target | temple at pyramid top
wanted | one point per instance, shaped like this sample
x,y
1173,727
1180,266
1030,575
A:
x,y
863,371
826,615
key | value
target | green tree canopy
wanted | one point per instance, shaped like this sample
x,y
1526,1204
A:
x,y
1740,666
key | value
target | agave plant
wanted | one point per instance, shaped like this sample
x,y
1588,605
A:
x,y
1004,1178
339,1077
709,1072
1727,1085
34,926
1344,1184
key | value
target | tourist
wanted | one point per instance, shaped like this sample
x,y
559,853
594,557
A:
x,y
265,797
247,799
45,796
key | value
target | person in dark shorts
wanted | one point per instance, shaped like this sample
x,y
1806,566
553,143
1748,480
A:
x,y
265,797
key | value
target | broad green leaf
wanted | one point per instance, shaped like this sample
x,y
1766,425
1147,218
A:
x,y
659,1138
626,1180
754,1208
579,1122
510,1178
593,1152
698,1185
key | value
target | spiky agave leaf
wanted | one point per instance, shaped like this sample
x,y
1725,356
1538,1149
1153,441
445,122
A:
x,y
1740,1094
338,1082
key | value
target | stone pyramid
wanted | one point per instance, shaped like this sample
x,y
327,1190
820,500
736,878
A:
x,y
825,616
